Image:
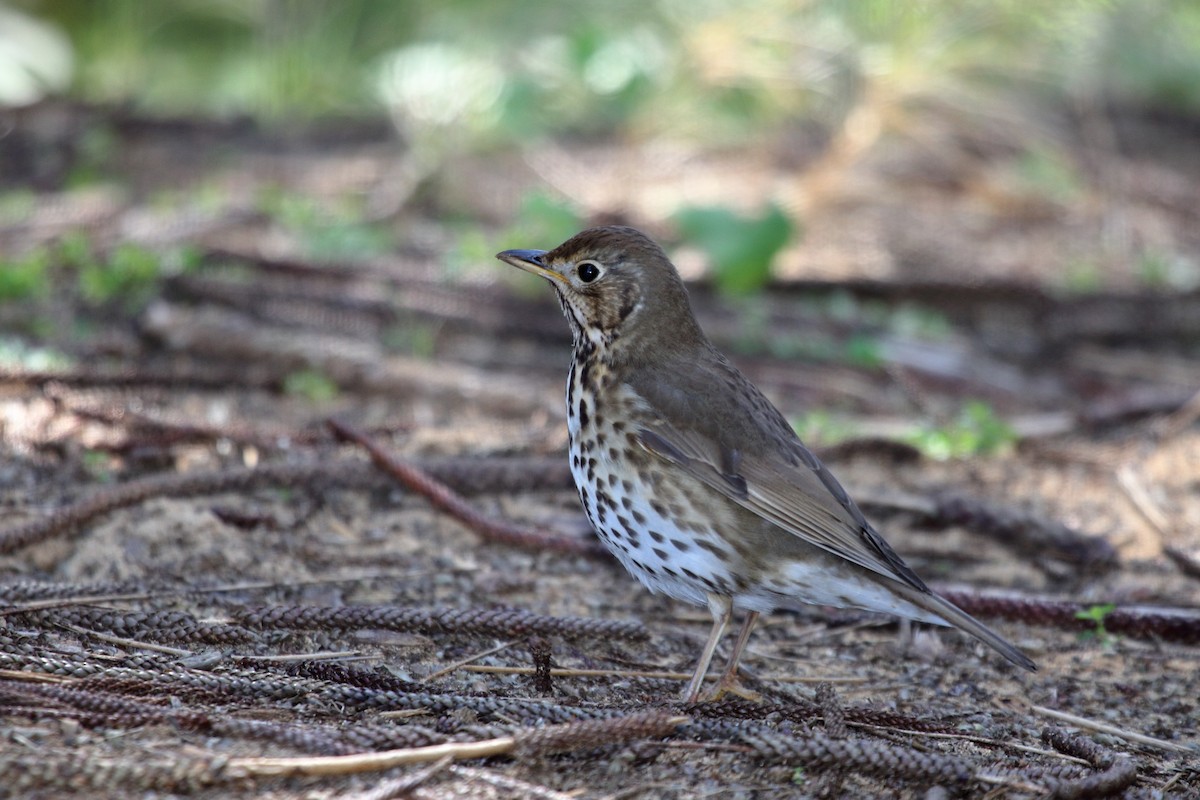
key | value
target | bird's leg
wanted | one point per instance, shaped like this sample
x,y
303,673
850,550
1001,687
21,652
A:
x,y
722,610
729,680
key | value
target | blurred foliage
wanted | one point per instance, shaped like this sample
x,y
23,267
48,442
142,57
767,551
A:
x,y
542,221
717,67
820,428
128,273
325,230
457,76
1048,174
412,339
310,384
25,276
977,430
740,249
872,323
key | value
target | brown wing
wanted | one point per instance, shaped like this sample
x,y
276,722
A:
x,y
792,489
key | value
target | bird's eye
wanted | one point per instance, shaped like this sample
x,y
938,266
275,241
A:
x,y
588,271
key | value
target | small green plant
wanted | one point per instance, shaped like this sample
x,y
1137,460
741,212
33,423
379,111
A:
x,y
326,232
130,273
98,465
1096,614
310,384
822,428
862,350
1154,270
798,776
1161,270
978,430
1049,174
17,205
419,340
97,149
25,277
741,249
918,322
1082,276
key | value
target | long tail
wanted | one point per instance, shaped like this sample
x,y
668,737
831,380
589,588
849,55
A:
x,y
955,616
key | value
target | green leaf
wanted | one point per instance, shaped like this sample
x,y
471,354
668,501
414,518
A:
x,y
741,249
25,277
310,384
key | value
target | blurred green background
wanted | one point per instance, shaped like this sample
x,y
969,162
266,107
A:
x,y
803,90
503,71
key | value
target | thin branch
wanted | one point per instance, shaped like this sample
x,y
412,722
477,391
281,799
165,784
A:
x,y
1112,730
444,498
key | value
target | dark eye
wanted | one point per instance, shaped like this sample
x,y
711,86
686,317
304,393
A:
x,y
588,271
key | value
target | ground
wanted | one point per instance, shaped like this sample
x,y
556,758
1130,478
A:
x,y
199,573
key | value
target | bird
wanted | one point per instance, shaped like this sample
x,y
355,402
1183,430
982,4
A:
x,y
691,477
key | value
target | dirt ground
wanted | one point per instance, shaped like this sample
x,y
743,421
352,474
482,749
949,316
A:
x,y
198,576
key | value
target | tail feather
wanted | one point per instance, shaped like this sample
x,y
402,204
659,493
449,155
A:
x,y
953,615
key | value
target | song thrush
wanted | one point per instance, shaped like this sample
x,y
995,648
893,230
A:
x,y
693,480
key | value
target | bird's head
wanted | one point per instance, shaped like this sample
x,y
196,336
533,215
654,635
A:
x,y
615,284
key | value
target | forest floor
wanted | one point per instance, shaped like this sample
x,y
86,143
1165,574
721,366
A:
x,y
206,590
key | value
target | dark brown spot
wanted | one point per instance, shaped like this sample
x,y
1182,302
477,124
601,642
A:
x,y
584,419
720,552
658,551
658,537
638,517
680,545
690,574
613,454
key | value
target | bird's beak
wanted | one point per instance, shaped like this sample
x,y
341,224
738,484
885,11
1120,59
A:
x,y
530,261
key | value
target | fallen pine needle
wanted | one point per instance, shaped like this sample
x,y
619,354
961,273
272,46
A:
x,y
1112,730
566,672
553,738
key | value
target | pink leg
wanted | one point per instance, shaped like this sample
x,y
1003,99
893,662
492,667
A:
x,y
729,680
722,610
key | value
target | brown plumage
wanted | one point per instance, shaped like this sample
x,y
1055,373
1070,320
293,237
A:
x,y
690,476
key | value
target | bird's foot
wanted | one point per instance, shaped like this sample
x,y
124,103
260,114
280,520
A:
x,y
729,684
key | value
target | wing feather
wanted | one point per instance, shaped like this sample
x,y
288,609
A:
x,y
803,498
